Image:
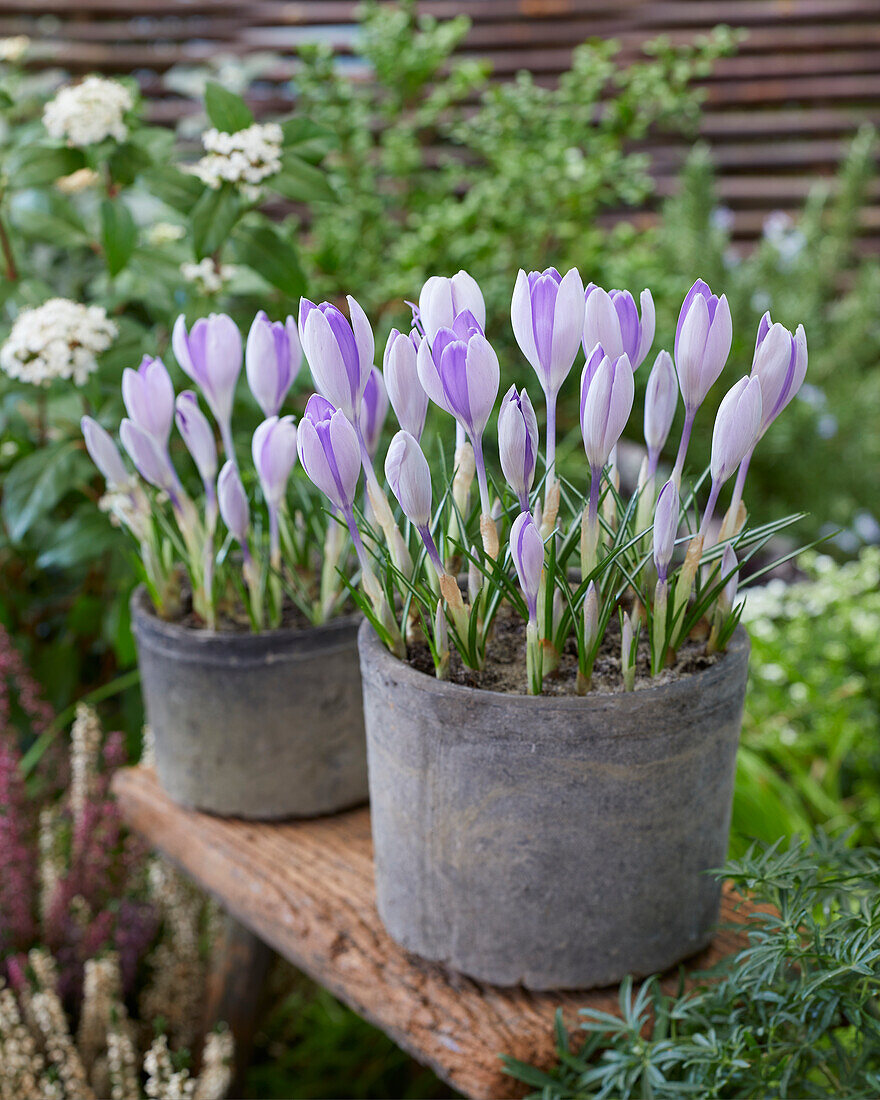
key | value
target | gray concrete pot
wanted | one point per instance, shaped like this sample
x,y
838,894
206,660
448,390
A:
x,y
553,842
261,726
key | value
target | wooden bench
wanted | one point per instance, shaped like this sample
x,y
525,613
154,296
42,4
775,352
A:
x,y
305,888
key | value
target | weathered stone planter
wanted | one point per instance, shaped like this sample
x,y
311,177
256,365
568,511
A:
x,y
263,725
553,842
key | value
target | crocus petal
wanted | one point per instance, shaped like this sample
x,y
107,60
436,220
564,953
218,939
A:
x,y
601,323
521,321
233,502
409,477
197,434
737,425
568,324
104,453
647,327
527,551
405,391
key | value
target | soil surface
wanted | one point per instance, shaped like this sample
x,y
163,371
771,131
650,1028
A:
x,y
234,619
505,666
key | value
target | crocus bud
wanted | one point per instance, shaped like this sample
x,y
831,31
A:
x,y
736,428
104,453
149,398
233,503
665,528
661,399
409,476
461,375
340,353
612,320
329,451
272,358
780,365
197,434
591,616
702,343
518,443
527,551
547,313
374,409
606,403
274,453
210,354
442,299
408,398
152,461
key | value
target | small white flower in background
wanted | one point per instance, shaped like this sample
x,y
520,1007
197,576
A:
x,y
206,275
13,49
89,112
80,180
165,233
244,158
60,339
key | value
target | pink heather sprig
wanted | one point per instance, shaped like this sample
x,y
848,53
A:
x,y
18,867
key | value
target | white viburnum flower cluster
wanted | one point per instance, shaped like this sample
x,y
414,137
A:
x,y
207,276
88,112
165,233
244,158
13,49
60,339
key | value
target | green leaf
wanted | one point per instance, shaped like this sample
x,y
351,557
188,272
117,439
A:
x,y
48,216
37,482
38,165
81,538
300,181
118,234
308,140
213,218
6,99
226,110
127,161
271,255
179,190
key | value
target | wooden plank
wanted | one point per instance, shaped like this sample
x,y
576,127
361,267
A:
x,y
306,888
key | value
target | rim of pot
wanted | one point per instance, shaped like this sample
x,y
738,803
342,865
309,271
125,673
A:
x,y
737,651
335,634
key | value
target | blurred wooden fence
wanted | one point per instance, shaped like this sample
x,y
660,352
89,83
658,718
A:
x,y
779,114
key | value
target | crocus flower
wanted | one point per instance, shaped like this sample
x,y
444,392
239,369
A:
x,y
105,454
527,551
461,375
408,398
606,403
665,528
149,398
612,320
274,453
737,425
518,443
198,436
702,343
547,314
374,409
340,353
152,461
330,452
442,299
210,354
234,505
273,356
661,399
409,476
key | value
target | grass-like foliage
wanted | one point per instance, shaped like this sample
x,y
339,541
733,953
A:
x,y
792,1014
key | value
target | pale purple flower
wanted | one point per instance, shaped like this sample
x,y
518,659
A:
x,y
547,314
518,443
780,365
702,343
442,299
152,461
273,356
611,319
234,505
340,352
661,399
408,398
461,374
409,477
210,354
198,435
274,453
330,452
606,403
149,398
104,453
527,551
737,425
374,409
666,517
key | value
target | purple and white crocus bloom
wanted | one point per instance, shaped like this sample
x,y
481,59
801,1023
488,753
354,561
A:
x,y
661,399
273,448
148,395
665,529
442,299
527,551
105,455
272,359
606,402
152,461
374,409
210,354
409,477
408,398
234,506
737,425
461,375
547,314
702,344
518,443
197,434
340,353
611,319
